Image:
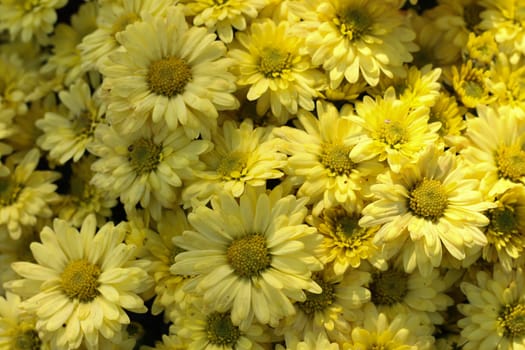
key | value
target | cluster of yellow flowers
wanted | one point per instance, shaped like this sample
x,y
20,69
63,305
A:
x,y
262,174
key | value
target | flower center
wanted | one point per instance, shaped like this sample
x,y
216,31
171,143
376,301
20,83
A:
x,y
27,340
249,255
80,280
353,23
9,191
232,166
392,133
335,157
503,221
144,156
388,287
428,199
318,302
221,331
511,162
512,320
473,88
274,62
123,21
168,76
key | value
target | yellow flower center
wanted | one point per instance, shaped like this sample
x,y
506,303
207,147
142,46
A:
x,y
473,88
503,221
512,320
428,199
168,76
392,133
511,162
80,280
27,340
220,330
123,21
336,158
354,23
274,62
9,191
318,302
343,227
144,156
249,255
388,287
232,166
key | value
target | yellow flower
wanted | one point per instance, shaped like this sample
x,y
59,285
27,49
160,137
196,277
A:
x,y
426,208
481,50
182,77
223,16
81,283
320,161
447,112
471,86
251,257
270,63
355,38
393,130
495,311
242,156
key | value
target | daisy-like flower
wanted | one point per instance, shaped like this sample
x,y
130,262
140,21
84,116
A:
x,y
29,18
81,283
64,64
242,156
353,38
113,17
182,78
69,131
395,292
428,207
223,16
447,112
25,193
204,329
470,85
506,230
252,258
146,167
83,198
393,130
480,49
333,309
345,243
495,154
402,332
495,312
277,74
17,327
506,20
319,158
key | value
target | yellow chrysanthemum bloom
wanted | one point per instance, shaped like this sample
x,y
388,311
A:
x,y
310,341
345,243
270,62
402,332
242,156
69,131
253,257
182,77
81,283
447,112
481,50
145,167
471,86
113,17
223,16
27,19
353,38
18,327
320,158
17,83
25,193
495,154
506,229
427,208
495,311
393,130
506,20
